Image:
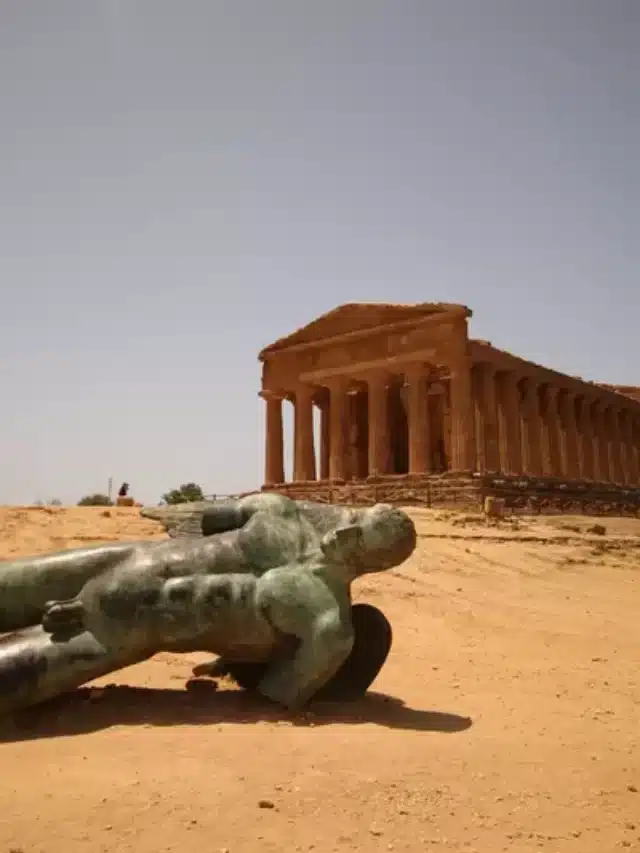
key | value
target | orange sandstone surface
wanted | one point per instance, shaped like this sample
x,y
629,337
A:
x,y
507,717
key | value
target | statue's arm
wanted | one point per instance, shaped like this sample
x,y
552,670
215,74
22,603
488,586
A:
x,y
27,584
222,517
234,514
303,606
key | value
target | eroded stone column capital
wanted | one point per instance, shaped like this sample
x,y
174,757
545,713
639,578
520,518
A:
x,y
531,387
625,412
487,367
613,413
322,401
304,392
272,394
601,406
567,402
626,418
586,400
337,384
483,371
460,364
552,393
586,411
416,372
378,378
511,376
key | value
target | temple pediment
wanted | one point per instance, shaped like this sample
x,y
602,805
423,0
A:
x,y
358,317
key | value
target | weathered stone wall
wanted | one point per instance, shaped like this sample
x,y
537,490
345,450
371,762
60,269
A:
x,y
521,494
439,490
539,495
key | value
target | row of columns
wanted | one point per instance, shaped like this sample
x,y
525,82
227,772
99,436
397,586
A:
x,y
334,429
538,429
500,422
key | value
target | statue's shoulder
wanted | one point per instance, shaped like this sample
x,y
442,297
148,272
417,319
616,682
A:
x,y
270,503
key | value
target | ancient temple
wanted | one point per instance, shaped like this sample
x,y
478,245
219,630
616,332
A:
x,y
403,391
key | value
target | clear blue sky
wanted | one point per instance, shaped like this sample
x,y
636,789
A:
x,y
183,182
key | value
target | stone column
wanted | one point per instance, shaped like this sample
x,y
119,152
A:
x,y
325,441
338,429
361,416
274,441
623,447
353,457
585,429
626,434
551,435
419,426
569,435
304,464
486,418
600,443
477,389
635,450
509,424
531,430
615,446
462,426
418,423
378,424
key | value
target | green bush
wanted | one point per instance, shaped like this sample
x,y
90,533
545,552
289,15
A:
x,y
187,493
96,500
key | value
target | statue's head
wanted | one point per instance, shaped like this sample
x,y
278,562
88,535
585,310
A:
x,y
379,538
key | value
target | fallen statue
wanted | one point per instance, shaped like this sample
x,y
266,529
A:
x,y
266,588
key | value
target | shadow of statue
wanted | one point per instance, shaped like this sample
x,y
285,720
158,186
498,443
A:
x,y
93,709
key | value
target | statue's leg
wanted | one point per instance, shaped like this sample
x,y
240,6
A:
x,y
33,668
372,644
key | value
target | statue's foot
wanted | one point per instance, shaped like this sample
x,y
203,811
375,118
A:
x,y
63,620
247,675
371,647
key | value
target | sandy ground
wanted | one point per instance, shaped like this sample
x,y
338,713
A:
x,y
507,716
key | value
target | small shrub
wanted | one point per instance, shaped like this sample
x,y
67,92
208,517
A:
x,y
187,493
96,500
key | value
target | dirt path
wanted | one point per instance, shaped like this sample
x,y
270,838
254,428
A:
x,y
507,716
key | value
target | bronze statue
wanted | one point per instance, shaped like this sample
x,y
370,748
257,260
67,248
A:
x,y
267,588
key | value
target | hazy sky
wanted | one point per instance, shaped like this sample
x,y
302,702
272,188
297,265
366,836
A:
x,y
183,182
